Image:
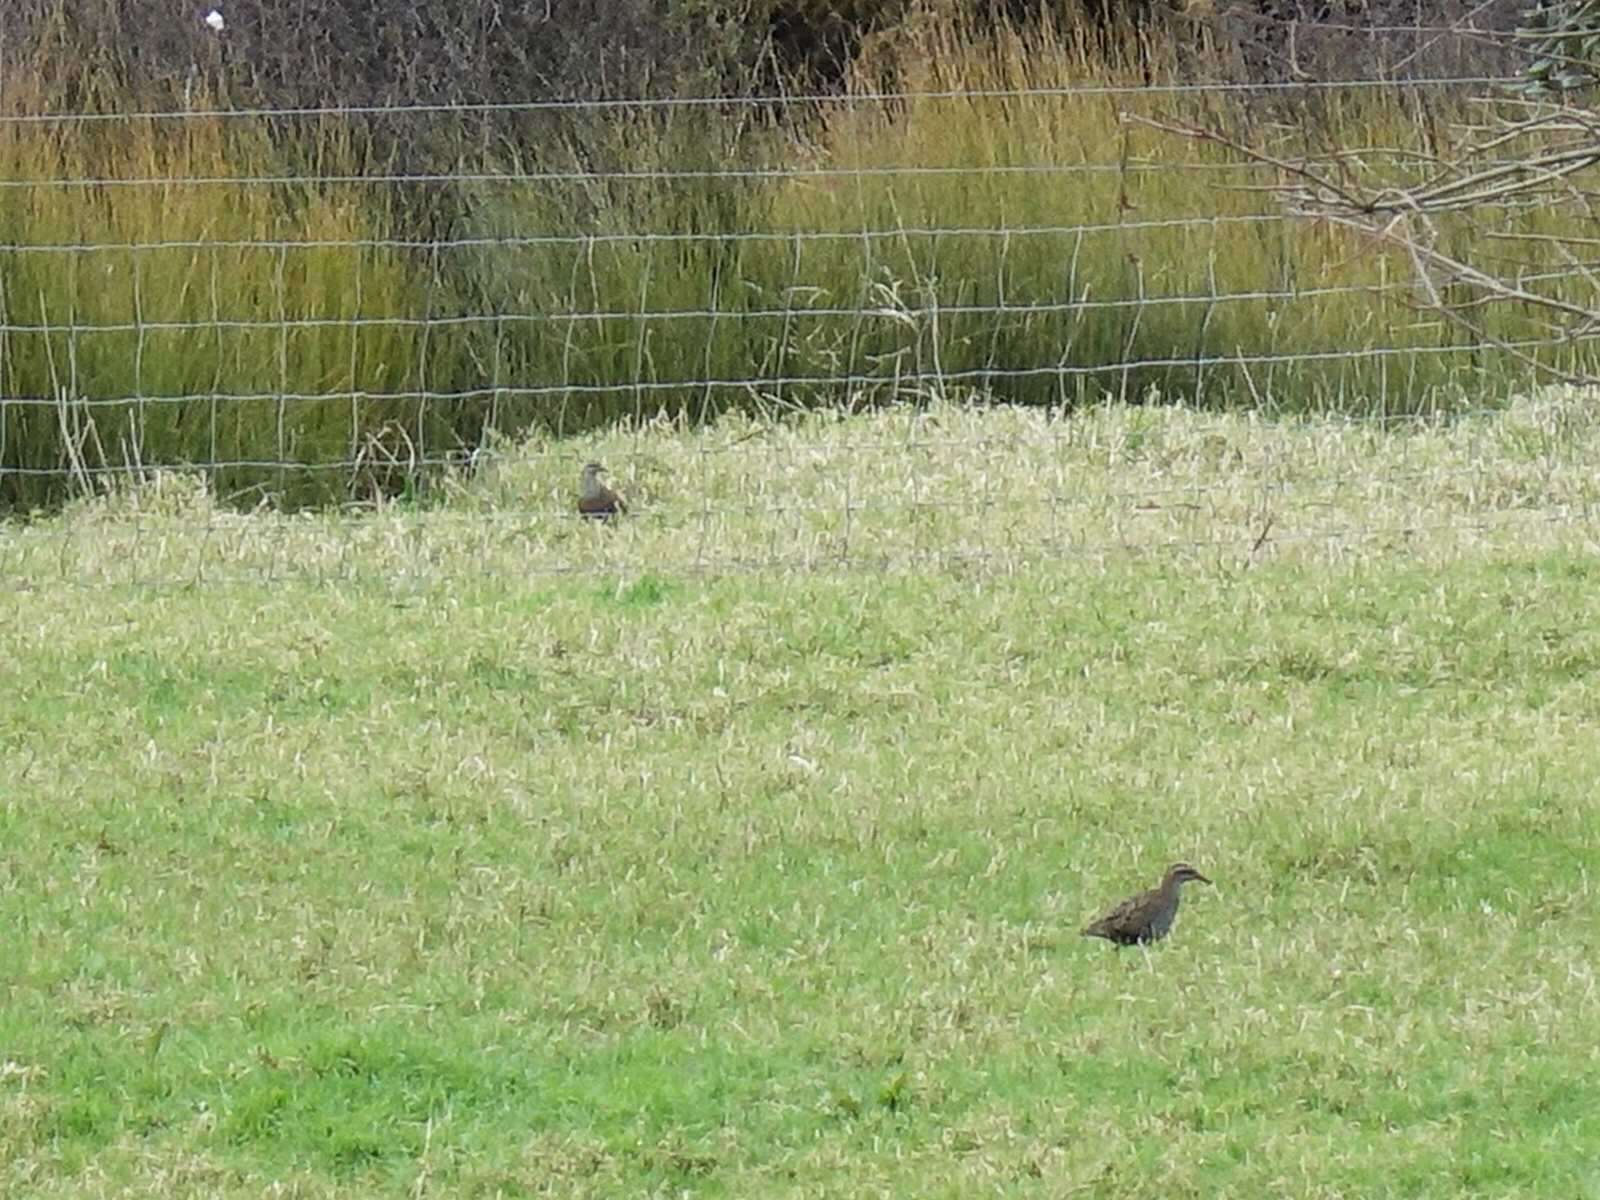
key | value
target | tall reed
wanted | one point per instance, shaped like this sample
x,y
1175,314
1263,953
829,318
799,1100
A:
x,y
1002,229
158,307
1005,228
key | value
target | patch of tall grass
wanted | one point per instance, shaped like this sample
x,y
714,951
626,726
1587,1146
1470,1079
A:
x,y
158,308
996,231
1039,248
624,272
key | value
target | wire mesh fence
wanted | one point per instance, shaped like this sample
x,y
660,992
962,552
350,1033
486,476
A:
x,y
238,296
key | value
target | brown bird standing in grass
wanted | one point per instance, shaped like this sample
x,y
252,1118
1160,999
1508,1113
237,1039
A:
x,y
596,501
1148,916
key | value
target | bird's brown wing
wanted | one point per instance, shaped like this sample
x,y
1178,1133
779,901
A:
x,y
606,504
1122,922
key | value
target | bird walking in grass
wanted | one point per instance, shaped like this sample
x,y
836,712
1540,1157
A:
x,y
596,501
1148,916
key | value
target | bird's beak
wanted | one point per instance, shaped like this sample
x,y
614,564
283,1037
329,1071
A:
x,y
1201,877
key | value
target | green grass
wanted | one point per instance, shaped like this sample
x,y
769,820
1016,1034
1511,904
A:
x,y
741,849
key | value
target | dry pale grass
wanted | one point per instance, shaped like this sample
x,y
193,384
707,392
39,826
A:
x,y
941,485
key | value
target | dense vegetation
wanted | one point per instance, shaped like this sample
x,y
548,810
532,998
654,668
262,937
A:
x,y
331,302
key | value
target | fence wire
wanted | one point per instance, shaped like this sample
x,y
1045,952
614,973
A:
x,y
802,100
378,359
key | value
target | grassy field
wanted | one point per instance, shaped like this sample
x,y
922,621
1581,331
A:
x,y
458,849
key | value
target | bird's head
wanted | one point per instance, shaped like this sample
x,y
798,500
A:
x,y
591,478
1184,873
